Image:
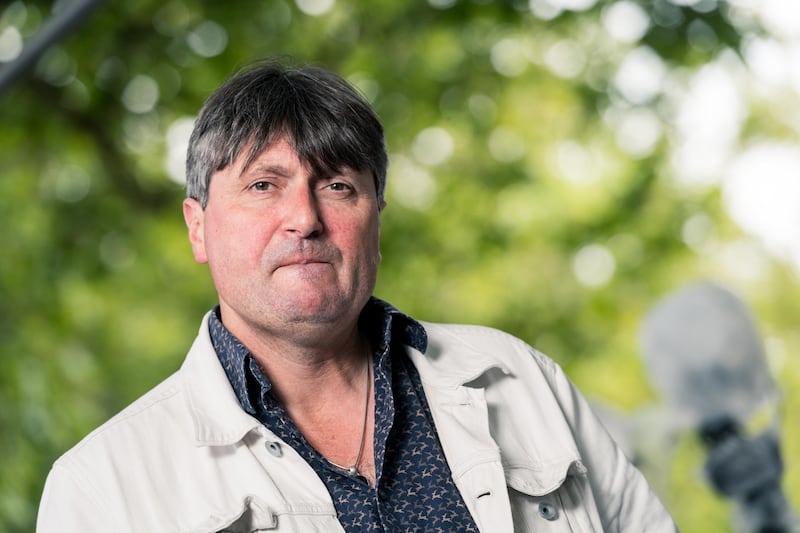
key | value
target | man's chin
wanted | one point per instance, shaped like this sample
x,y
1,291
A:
x,y
315,310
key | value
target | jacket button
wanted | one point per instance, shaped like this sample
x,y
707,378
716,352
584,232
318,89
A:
x,y
548,511
274,448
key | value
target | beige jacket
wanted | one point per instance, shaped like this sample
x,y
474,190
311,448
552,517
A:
x,y
526,453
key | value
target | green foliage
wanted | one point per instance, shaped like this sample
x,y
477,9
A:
x,y
101,297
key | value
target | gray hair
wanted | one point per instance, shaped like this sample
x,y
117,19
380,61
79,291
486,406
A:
x,y
327,121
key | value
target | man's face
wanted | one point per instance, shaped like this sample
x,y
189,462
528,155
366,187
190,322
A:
x,y
287,248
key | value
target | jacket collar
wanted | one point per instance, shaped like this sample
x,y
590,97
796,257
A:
x,y
216,412
464,372
445,342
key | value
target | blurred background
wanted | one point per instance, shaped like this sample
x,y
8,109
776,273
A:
x,y
557,168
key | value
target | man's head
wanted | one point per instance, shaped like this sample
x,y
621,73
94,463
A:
x,y
328,123
286,176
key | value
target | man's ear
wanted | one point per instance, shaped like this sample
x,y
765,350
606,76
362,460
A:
x,y
194,215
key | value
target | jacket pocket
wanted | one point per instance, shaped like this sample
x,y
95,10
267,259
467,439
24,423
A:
x,y
567,507
254,516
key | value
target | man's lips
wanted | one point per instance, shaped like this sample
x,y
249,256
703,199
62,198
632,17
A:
x,y
301,261
305,254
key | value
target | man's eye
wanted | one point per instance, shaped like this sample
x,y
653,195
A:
x,y
261,185
338,186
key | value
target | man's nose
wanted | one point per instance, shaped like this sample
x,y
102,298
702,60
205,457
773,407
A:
x,y
301,213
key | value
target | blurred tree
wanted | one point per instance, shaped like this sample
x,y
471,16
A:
x,y
532,188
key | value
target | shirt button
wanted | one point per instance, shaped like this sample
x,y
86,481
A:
x,y
274,448
548,511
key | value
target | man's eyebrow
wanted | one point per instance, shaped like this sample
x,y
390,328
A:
x,y
283,171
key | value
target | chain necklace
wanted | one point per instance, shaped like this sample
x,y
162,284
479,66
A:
x,y
353,469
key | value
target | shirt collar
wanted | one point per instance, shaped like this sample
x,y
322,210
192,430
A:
x,y
383,324
234,358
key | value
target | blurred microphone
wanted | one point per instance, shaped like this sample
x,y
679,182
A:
x,y
704,355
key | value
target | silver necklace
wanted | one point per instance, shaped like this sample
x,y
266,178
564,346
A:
x,y
353,469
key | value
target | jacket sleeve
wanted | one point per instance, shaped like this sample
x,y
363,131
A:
x,y
624,499
68,507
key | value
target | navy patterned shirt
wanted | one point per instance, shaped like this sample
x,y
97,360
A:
x,y
414,488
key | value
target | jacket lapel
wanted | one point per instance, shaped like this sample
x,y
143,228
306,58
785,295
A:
x,y
461,417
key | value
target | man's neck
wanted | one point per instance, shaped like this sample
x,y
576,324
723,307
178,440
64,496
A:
x,y
294,371
325,389
298,356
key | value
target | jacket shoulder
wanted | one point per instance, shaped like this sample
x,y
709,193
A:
x,y
471,335
461,344
161,404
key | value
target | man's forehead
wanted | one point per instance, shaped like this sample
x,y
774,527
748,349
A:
x,y
280,157
279,152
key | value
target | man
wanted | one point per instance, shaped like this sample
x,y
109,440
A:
x,y
306,404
